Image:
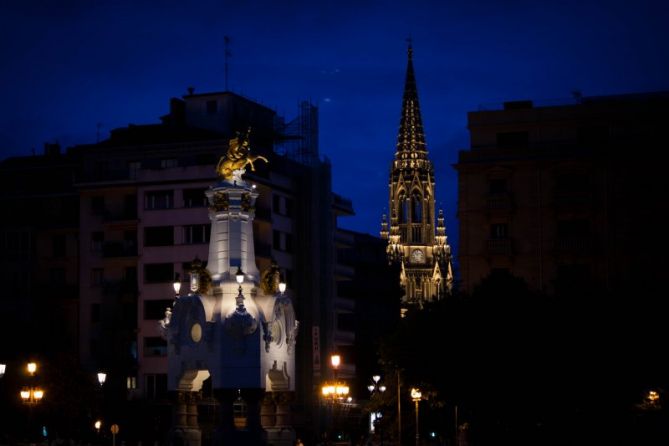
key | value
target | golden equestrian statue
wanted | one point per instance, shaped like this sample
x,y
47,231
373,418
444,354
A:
x,y
237,158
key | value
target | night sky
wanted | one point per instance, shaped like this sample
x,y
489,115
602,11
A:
x,y
69,65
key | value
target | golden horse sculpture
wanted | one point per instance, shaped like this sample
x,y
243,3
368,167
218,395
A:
x,y
237,158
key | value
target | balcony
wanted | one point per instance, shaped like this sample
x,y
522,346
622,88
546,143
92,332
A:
x,y
499,247
574,245
119,249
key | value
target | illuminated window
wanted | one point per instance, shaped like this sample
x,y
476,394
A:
x,y
131,382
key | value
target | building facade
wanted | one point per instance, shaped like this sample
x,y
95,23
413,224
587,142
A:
x,y
414,242
130,215
565,195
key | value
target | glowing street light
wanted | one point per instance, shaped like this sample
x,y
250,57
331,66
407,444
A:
x,y
416,395
97,425
102,377
282,287
31,395
177,284
3,367
32,368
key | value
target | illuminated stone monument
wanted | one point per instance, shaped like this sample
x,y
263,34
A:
x,y
231,328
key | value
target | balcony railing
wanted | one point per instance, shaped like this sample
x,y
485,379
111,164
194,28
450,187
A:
x,y
573,244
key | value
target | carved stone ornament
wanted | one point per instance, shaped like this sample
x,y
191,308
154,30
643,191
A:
x,y
221,201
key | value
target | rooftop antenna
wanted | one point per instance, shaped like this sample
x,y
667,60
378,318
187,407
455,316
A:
x,y
227,55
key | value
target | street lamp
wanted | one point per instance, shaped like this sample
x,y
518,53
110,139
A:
x,y
32,368
102,377
416,396
282,287
31,395
97,425
176,284
3,367
374,417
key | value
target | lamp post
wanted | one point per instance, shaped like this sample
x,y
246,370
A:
x,y
31,395
177,284
416,396
334,392
376,388
102,377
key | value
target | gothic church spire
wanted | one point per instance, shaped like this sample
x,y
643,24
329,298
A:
x,y
411,137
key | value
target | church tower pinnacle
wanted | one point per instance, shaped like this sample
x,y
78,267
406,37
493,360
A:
x,y
413,240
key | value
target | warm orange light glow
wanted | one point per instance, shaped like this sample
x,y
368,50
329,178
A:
x,y
335,390
335,360
416,394
32,368
25,394
97,425
38,394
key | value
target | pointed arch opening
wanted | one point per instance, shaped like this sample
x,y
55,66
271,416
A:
x,y
416,207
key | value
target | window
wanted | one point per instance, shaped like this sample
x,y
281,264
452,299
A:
x,y
97,205
512,140
154,310
95,313
168,163
416,208
212,107
133,169
158,273
160,199
131,382
282,241
96,241
155,386
282,205
155,346
159,236
240,413
97,276
58,245
194,234
499,231
497,186
194,198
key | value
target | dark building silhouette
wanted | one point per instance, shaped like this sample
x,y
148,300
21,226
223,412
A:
x,y
565,195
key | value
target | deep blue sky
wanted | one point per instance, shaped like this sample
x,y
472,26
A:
x,y
68,65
